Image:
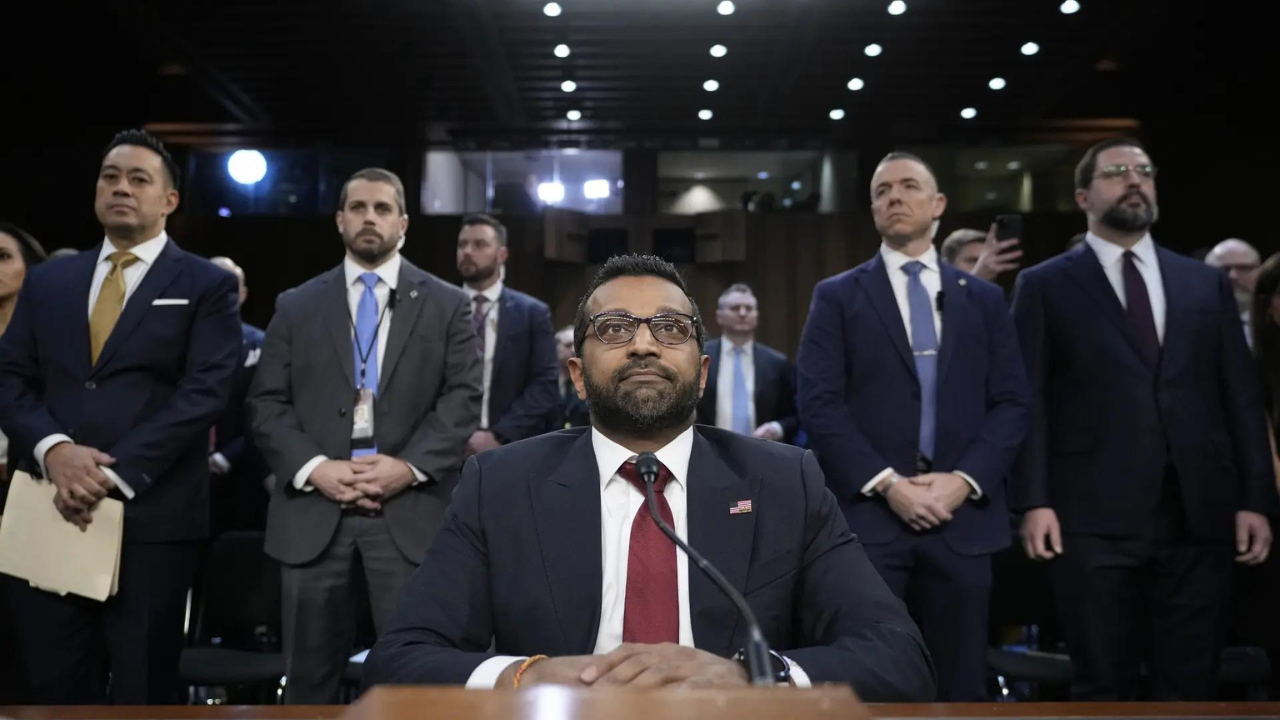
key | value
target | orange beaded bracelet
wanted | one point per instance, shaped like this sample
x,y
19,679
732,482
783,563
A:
x,y
525,666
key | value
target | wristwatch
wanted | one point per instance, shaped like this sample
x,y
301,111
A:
x,y
781,669
889,483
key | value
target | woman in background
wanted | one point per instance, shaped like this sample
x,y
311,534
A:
x,y
18,253
1266,345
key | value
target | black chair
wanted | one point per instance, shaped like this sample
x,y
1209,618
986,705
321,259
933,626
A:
x,y
1034,667
235,637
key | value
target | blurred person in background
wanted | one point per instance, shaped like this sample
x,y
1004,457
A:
x,y
1240,261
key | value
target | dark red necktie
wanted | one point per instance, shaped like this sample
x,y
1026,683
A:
x,y
1138,309
652,611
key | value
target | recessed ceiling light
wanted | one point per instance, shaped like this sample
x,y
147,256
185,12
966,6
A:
x,y
787,202
997,83
725,8
897,7
837,114
1069,7
711,86
595,189
1013,165
856,84
796,184
991,195
705,114
562,51
574,115
763,175
969,113
551,9
1030,48
981,165
699,175
568,86
719,51
550,192
873,50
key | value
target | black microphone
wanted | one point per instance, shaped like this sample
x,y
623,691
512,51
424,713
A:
x,y
939,300
758,660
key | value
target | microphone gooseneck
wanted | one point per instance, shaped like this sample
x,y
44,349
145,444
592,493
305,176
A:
x,y
758,660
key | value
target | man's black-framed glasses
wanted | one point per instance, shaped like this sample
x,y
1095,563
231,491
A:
x,y
615,327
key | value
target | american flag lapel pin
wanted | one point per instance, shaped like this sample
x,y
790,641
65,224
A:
x,y
743,506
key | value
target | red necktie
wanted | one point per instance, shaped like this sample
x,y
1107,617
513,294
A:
x,y
652,611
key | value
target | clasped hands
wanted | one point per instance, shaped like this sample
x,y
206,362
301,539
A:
x,y
366,481
633,665
927,501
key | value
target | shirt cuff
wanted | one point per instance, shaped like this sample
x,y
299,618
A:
x,y
43,447
115,478
302,480
798,675
977,489
224,465
870,488
486,676
419,477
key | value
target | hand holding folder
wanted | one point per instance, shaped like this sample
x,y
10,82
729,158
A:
x,y
38,545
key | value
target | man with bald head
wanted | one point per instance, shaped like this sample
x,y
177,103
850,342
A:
x,y
1240,261
915,399
239,495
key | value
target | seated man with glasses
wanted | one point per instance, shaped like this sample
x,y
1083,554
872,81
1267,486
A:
x,y
550,568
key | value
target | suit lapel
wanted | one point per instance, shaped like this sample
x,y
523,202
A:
x,y
410,295
762,373
166,269
1087,271
566,510
1174,310
337,319
82,280
726,541
510,318
955,311
875,280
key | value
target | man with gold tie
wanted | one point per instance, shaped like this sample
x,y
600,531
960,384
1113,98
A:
x,y
116,364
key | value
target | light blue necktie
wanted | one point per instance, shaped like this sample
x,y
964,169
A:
x,y
741,397
366,343
924,346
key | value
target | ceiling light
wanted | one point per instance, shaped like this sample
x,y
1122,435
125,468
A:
x,y
856,84
1013,165
991,195
1030,49
719,51
873,50
574,115
568,86
705,114
897,7
699,175
595,189
796,184
247,167
787,202
562,51
224,212
763,175
711,86
981,165
725,8
1069,7
550,192
997,83
551,9
837,114
969,113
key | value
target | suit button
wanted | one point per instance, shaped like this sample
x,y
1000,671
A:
x,y
342,412
91,385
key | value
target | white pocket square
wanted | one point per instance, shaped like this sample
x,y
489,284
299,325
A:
x,y
171,301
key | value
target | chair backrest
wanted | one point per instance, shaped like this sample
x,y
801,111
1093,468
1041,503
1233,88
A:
x,y
1021,593
239,596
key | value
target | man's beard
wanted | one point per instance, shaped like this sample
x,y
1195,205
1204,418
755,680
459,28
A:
x,y
478,273
644,410
1129,220
373,255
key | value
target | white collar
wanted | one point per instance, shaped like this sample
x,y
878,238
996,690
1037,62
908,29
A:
x,y
727,346
894,259
388,271
146,252
1110,253
492,292
675,456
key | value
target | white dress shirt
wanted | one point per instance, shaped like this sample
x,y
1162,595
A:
x,y
724,384
1246,321
388,275
147,253
931,278
619,503
1111,257
494,293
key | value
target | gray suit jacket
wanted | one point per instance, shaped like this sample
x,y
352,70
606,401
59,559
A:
x,y
428,404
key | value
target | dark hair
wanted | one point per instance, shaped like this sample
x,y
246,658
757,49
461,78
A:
x,y
375,175
144,139
633,266
957,241
903,155
32,251
1266,334
738,287
1089,163
484,219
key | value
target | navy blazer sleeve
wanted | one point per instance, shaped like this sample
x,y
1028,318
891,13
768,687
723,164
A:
x,y
820,372
528,413
23,414
1030,479
214,340
991,455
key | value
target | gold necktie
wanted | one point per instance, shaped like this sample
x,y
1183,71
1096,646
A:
x,y
106,311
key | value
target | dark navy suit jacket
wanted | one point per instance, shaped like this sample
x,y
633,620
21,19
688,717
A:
x,y
160,383
860,399
775,388
1106,427
518,564
524,391
233,439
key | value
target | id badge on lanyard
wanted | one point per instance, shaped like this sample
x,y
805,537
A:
x,y
362,420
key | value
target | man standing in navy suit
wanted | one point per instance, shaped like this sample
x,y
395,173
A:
x,y
915,399
1147,458
115,366
515,341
